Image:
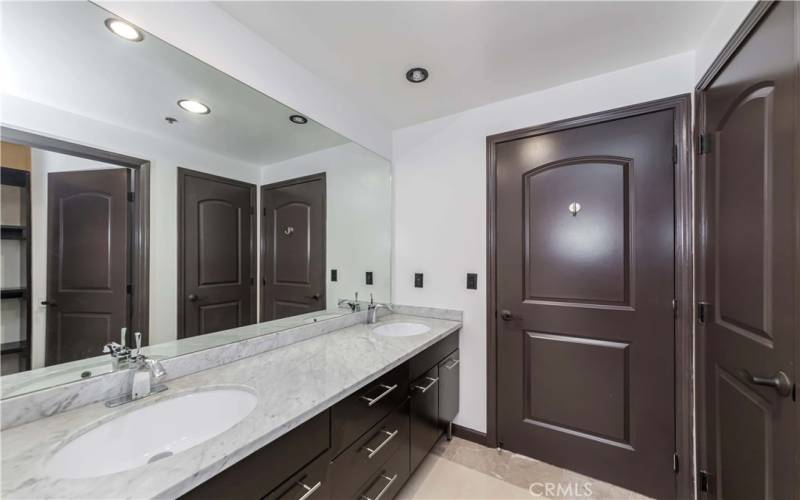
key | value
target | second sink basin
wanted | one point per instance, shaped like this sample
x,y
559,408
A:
x,y
401,329
151,433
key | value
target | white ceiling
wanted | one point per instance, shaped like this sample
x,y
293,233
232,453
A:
x,y
477,52
60,54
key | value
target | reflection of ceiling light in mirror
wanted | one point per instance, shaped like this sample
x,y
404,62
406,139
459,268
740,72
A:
x,y
298,119
194,107
124,30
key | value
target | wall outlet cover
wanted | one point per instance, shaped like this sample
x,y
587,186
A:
x,y
334,275
472,281
417,280
369,277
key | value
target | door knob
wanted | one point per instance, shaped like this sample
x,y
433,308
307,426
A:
x,y
49,303
506,315
192,297
780,382
316,296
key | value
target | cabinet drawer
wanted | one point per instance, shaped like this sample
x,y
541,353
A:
x,y
261,472
424,409
431,356
361,460
352,417
386,483
311,483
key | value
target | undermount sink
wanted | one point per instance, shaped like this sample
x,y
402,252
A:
x,y
151,433
401,329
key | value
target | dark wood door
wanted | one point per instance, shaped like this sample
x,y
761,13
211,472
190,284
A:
x,y
293,243
87,273
216,253
585,352
749,265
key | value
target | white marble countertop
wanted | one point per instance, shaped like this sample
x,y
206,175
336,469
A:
x,y
293,384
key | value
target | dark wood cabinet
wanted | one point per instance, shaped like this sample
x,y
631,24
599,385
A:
x,y
364,447
269,467
424,426
449,382
355,415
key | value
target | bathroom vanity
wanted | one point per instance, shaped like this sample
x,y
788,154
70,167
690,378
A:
x,y
345,414
365,446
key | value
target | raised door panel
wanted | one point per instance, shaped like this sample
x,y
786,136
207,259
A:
x,y
219,243
292,240
577,231
85,222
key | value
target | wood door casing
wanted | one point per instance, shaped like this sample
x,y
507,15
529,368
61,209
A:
x,y
293,247
88,262
216,253
748,259
585,360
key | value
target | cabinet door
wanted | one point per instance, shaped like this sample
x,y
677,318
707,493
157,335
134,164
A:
x,y
449,380
425,430
310,483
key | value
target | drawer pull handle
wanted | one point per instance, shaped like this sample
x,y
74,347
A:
x,y
425,389
385,488
309,489
384,443
453,365
372,401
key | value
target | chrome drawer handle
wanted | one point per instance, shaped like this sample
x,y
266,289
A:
x,y
385,441
455,363
425,389
309,489
385,488
372,401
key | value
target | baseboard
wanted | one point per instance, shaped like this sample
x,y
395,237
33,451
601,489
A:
x,y
469,434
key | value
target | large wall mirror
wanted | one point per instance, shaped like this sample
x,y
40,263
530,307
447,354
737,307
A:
x,y
144,191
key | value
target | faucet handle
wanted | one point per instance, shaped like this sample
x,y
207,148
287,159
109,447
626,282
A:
x,y
113,348
138,337
122,336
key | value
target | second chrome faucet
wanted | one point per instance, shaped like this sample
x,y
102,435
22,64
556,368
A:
x,y
146,372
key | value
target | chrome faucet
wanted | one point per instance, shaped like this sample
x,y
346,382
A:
x,y
146,376
354,306
372,310
120,354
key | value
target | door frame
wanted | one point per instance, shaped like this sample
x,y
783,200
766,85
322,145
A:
x,y
731,48
140,225
263,237
684,280
183,173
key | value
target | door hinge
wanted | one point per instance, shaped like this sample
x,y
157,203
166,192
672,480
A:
x,y
674,154
129,289
703,312
675,463
703,481
252,210
703,144
264,211
252,281
675,307
131,196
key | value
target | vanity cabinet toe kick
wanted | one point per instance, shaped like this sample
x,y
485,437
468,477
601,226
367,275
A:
x,y
364,447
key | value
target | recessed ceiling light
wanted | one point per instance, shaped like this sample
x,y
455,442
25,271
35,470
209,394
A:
x,y
298,119
124,30
194,106
417,75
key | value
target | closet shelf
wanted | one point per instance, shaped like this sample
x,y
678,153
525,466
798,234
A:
x,y
12,232
12,293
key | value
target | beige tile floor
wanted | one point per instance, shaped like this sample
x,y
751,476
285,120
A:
x,y
461,469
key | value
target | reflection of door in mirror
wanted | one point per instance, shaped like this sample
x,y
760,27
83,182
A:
x,y
216,264
88,265
293,240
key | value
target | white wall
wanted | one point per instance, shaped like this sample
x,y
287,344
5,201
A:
x,y
439,185
209,33
358,190
720,30
165,157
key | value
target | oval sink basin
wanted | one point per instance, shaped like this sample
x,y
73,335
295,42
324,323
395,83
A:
x,y
401,329
151,433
